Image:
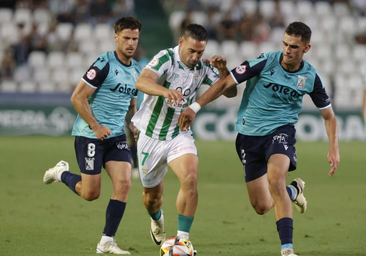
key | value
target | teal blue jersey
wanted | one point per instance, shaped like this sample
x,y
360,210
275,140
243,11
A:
x,y
273,96
114,84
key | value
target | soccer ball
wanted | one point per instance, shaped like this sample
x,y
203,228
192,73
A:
x,y
177,246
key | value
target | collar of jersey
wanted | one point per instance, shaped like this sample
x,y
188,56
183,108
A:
x,y
180,63
115,55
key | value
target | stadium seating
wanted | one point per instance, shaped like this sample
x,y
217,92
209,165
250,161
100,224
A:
x,y
334,52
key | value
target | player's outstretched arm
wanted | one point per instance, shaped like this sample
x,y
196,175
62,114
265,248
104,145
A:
x,y
187,117
332,132
79,100
146,83
220,63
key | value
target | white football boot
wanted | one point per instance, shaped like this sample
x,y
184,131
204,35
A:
x,y
54,174
110,247
300,200
157,231
288,252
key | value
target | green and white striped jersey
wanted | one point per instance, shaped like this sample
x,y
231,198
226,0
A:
x,y
155,117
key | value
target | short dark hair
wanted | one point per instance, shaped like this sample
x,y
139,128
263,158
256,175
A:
x,y
127,23
196,32
299,28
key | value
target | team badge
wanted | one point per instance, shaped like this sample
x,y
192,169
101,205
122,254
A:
x,y
154,62
301,81
91,74
241,69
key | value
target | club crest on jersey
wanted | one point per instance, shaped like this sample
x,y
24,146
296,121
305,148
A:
x,y
301,81
135,75
91,74
241,69
154,62
196,78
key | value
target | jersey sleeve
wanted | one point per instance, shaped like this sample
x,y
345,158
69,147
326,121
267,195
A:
x,y
212,74
160,63
319,95
97,73
249,69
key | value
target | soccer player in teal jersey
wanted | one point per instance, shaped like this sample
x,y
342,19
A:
x,y
170,82
272,100
103,98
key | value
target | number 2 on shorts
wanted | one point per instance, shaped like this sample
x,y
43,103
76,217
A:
x,y
145,157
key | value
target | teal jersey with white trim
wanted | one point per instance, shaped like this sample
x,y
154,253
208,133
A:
x,y
273,96
114,84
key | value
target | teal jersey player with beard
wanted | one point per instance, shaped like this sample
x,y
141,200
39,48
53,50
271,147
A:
x,y
114,82
104,98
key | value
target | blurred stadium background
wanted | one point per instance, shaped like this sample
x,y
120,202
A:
x,y
47,45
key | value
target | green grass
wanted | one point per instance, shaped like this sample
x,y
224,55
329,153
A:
x,y
36,219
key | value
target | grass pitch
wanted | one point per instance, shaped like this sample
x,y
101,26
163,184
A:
x,y
39,219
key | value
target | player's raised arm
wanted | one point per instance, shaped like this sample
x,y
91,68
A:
x,y
332,132
187,117
79,100
147,83
220,63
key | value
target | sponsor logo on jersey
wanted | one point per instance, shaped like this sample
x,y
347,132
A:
x,y
301,81
91,74
186,92
125,88
241,69
282,89
183,104
272,72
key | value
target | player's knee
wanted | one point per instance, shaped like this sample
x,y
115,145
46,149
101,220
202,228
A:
x,y
90,195
123,186
150,199
189,181
189,184
261,207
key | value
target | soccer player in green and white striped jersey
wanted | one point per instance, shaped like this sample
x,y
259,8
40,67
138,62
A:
x,y
170,82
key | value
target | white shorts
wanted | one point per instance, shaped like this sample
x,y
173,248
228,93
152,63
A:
x,y
154,156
